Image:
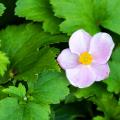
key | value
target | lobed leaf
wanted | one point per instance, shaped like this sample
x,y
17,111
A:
x,y
19,91
2,9
24,45
4,61
11,109
40,11
51,87
77,14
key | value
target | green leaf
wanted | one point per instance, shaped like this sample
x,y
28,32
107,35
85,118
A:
x,y
18,91
2,9
114,79
2,94
88,92
11,109
31,72
35,111
103,99
98,118
21,43
11,105
116,55
28,38
106,100
4,61
38,10
51,87
77,14
112,16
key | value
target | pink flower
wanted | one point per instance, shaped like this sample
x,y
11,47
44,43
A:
x,y
85,61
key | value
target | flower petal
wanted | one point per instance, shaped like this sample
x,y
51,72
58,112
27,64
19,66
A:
x,y
101,71
81,76
79,42
101,47
67,60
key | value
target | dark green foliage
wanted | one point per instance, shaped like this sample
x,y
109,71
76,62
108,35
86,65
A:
x,y
32,85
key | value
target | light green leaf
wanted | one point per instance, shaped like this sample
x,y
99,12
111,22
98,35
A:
x,y
51,87
2,9
112,20
4,61
11,105
18,91
35,111
22,43
38,10
77,14
99,118
11,109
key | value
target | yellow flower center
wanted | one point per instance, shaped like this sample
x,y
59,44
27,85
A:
x,y
85,58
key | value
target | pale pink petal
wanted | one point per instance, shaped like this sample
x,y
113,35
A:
x,y
79,42
81,76
101,71
67,60
101,47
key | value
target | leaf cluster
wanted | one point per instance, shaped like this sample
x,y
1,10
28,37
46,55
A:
x,y
32,85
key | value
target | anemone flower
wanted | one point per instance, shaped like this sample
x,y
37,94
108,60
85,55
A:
x,y
85,61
